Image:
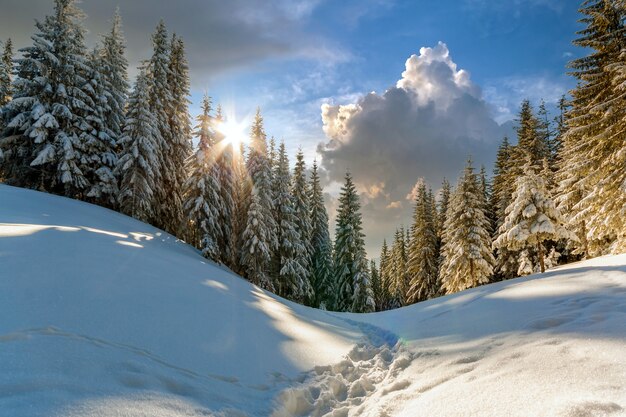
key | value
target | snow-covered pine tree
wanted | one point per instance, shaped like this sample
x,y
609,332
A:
x,y
321,246
99,156
354,291
41,142
202,199
531,218
302,211
259,236
6,72
292,280
138,162
228,192
398,276
467,257
179,146
376,285
590,193
384,273
114,73
241,203
422,251
161,106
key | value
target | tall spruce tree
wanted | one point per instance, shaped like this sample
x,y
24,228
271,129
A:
x,y
138,162
398,274
467,257
226,160
202,199
300,193
99,142
506,265
422,250
384,273
292,278
161,106
259,236
377,288
321,246
41,142
6,72
531,219
354,291
114,73
179,148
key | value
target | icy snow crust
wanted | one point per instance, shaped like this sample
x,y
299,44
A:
x,y
101,315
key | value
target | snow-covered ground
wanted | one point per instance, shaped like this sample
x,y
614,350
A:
x,y
101,315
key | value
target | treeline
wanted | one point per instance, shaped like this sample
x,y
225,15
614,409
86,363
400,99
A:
x,y
557,195
72,126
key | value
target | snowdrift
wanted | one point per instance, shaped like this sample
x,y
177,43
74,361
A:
x,y
101,315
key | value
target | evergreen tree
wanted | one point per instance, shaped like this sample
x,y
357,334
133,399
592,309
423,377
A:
x,y
259,236
321,246
292,280
398,277
41,142
300,193
384,273
377,288
467,257
591,187
354,291
202,200
226,166
114,73
532,218
161,106
138,163
506,265
6,72
422,252
179,146
99,142
242,191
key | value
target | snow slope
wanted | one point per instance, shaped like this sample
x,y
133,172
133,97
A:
x,y
101,315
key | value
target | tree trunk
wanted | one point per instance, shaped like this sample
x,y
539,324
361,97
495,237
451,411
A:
x,y
540,254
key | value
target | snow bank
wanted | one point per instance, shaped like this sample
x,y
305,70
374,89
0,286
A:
x,y
101,315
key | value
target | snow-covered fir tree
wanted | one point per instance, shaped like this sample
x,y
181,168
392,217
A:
x,y
202,199
422,250
99,142
398,273
114,73
41,142
138,163
589,192
467,257
531,219
321,245
354,291
161,107
259,236
6,71
302,211
384,273
242,192
179,146
226,165
292,279
377,287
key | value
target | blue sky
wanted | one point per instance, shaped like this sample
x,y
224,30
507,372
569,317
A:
x,y
387,127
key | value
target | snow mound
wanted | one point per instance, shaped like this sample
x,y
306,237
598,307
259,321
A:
x,y
101,315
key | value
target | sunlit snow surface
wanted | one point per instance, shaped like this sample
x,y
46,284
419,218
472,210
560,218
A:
x,y
101,315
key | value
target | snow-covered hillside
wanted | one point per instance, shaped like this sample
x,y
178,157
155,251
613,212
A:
x,y
101,315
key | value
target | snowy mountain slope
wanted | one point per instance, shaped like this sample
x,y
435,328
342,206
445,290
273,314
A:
x,y
101,315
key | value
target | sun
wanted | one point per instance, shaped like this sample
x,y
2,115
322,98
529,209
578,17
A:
x,y
234,132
